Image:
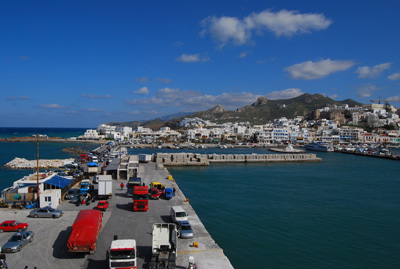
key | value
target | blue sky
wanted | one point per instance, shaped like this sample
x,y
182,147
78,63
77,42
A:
x,y
83,63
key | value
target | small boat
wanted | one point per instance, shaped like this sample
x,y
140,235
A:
x,y
319,146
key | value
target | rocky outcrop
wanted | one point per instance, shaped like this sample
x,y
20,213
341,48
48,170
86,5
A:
x,y
21,163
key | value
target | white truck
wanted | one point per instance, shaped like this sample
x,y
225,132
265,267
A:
x,y
122,254
105,186
144,158
164,246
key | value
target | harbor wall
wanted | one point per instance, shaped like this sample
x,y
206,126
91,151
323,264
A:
x,y
193,159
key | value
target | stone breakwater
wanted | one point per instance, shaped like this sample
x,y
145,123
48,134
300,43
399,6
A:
x,y
178,159
21,163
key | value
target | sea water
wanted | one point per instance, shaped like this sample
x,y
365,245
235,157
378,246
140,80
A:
x,y
343,212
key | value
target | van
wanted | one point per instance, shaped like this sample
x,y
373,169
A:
x,y
178,214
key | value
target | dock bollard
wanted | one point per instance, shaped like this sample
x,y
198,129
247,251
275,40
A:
x,y
187,200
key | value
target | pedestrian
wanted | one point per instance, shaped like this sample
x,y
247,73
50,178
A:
x,y
122,186
173,191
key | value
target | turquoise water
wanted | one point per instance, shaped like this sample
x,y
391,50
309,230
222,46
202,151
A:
x,y
343,212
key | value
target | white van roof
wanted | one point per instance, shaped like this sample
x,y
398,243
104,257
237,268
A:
x,y
177,208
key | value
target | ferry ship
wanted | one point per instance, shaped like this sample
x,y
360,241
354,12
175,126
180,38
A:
x,y
319,146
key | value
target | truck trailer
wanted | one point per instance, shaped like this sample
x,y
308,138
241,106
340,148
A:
x,y
105,188
84,232
144,158
164,246
140,198
122,254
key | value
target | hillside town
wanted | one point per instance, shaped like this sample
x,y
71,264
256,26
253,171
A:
x,y
371,123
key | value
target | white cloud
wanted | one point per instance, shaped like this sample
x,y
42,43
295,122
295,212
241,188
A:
x,y
143,79
92,96
52,106
163,80
366,90
143,90
334,96
395,98
12,98
281,23
315,70
94,110
395,76
192,58
284,94
372,71
187,58
191,100
288,23
243,54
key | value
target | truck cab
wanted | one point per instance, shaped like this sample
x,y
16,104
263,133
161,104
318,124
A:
x,y
122,254
140,198
158,185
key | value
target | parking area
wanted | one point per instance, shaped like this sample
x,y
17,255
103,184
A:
x,y
48,249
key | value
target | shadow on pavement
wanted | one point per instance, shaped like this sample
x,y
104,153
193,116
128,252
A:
x,y
97,264
127,207
60,246
166,218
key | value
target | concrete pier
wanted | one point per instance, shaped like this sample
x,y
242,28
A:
x,y
48,249
193,159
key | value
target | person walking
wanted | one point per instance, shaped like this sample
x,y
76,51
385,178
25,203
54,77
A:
x,y
122,186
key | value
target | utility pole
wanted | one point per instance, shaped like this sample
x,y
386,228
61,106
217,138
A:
x,y
37,169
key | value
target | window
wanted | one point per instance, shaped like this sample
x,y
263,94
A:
x,y
47,198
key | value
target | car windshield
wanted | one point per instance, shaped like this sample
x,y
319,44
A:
x,y
51,209
16,238
16,223
180,214
122,254
186,227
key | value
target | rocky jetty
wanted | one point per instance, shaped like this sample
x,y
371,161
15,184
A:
x,y
21,163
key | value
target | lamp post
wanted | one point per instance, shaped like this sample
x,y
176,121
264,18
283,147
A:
x,y
37,169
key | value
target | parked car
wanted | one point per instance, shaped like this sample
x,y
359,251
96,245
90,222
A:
x,y
13,226
102,205
184,229
17,241
46,212
71,194
81,198
30,205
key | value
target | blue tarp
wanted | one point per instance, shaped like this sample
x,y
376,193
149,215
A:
x,y
92,164
58,181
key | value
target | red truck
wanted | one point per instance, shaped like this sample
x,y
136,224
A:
x,y
140,198
85,230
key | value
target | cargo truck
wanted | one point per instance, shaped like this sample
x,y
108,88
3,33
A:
x,y
164,246
105,186
133,181
140,198
85,186
84,232
92,168
144,158
122,254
